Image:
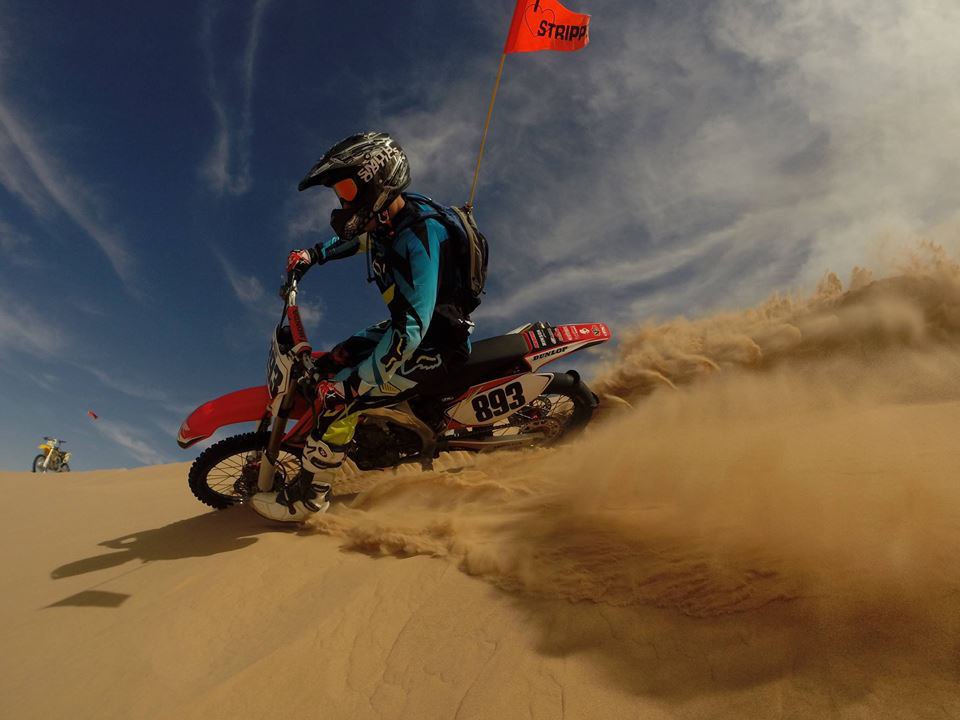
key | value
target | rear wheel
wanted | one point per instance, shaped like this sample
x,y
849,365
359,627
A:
x,y
65,468
38,463
226,473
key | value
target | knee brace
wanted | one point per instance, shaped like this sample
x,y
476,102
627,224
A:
x,y
319,455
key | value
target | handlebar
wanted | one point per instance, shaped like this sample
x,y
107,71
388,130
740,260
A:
x,y
288,290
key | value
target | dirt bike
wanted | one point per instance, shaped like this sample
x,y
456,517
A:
x,y
53,458
497,400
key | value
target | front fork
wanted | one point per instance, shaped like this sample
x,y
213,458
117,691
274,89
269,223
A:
x,y
268,463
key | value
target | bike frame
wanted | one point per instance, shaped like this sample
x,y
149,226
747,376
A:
x,y
273,406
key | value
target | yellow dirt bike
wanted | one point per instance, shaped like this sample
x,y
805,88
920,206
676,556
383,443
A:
x,y
53,458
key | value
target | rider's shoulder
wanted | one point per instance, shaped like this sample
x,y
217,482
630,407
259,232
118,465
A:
x,y
418,227
420,208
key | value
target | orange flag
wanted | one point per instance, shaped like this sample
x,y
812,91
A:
x,y
546,25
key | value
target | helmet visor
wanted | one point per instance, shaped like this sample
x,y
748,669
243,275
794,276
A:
x,y
346,190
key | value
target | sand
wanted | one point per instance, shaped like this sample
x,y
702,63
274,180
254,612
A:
x,y
772,532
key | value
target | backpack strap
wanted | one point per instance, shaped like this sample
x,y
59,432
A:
x,y
471,245
476,250
418,215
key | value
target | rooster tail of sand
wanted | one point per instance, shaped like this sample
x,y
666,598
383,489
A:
x,y
802,449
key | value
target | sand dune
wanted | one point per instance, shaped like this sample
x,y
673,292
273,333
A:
x,y
772,532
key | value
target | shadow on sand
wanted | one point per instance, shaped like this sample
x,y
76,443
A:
x,y
92,598
201,536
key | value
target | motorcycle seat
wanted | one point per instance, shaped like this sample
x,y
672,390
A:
x,y
496,352
491,357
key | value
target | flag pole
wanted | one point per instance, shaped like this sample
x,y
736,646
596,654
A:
x,y
486,128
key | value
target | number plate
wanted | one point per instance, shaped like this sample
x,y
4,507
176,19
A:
x,y
487,404
279,367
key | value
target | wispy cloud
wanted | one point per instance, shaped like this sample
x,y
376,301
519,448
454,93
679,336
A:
x,y
311,313
140,390
16,247
308,217
227,167
39,179
580,279
131,441
47,381
726,148
25,329
247,288
250,292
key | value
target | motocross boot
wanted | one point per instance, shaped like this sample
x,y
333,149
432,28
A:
x,y
304,496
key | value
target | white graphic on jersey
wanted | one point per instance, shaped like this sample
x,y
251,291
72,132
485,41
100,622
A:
x,y
424,362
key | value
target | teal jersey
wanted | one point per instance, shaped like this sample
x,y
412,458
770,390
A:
x,y
407,268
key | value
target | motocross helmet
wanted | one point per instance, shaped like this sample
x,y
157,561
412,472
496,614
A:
x,y
368,171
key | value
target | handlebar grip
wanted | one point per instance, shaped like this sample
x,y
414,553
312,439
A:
x,y
297,273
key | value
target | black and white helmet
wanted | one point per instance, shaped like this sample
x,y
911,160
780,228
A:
x,y
378,169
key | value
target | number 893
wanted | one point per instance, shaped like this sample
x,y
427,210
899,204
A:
x,y
498,401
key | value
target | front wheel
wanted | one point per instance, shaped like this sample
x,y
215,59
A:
x,y
226,472
38,463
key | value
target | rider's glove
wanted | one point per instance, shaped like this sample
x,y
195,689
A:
x,y
332,396
299,261
326,365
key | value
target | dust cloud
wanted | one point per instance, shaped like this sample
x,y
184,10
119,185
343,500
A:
x,y
800,447
798,458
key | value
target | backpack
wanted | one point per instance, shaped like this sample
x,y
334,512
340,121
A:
x,y
472,249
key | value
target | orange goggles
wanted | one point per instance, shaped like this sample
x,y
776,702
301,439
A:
x,y
346,189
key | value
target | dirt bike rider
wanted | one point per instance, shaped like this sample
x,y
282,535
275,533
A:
x,y
427,335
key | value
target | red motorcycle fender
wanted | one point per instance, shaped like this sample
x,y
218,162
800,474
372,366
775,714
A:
x,y
248,405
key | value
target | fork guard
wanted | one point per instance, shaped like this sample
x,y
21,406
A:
x,y
248,405
245,405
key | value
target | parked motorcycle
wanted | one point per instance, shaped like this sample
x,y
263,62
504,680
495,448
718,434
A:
x,y
498,399
53,459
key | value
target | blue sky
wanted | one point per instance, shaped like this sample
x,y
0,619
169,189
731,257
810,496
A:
x,y
695,156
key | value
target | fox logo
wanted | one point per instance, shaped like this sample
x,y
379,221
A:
x,y
379,266
424,362
395,351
